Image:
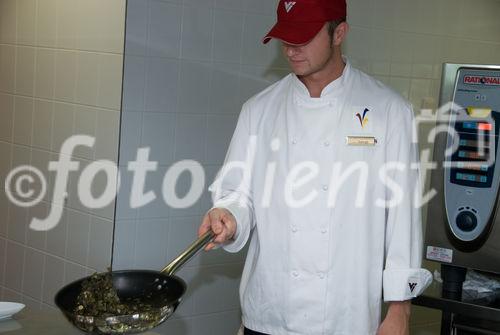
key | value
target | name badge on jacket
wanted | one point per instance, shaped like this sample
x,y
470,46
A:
x,y
361,140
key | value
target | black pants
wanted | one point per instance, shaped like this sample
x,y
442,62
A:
x,y
251,332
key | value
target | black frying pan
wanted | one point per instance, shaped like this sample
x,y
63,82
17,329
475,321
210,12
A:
x,y
162,290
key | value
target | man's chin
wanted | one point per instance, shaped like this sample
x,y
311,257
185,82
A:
x,y
300,72
298,68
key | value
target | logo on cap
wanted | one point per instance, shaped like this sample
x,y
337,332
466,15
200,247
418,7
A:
x,y
289,5
412,286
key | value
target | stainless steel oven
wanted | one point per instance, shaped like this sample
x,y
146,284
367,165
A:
x,y
463,228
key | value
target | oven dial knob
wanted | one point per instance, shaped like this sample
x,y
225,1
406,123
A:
x,y
466,221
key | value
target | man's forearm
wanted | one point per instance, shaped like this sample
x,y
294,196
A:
x,y
402,308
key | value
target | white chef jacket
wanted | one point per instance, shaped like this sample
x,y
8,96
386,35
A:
x,y
322,268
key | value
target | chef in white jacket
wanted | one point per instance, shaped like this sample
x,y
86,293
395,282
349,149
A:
x,y
321,177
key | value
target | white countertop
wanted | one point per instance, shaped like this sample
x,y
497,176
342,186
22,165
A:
x,y
30,322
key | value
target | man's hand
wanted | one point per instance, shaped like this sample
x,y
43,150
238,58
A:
x,y
222,223
397,320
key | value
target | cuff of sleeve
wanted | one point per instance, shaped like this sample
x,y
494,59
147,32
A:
x,y
404,284
242,216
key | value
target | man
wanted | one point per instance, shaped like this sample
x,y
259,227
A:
x,y
321,173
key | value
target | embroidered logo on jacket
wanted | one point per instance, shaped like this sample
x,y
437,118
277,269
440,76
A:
x,y
363,120
289,5
412,286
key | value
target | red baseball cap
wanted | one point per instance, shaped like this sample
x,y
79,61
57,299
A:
x,y
300,20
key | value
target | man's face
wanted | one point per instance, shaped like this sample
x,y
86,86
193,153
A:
x,y
312,57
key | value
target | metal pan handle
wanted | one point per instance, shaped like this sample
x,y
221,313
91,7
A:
x,y
186,255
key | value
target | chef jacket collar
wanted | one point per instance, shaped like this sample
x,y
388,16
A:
x,y
330,92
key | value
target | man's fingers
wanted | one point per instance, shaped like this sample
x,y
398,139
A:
x,y
221,224
229,225
210,246
222,237
217,227
205,225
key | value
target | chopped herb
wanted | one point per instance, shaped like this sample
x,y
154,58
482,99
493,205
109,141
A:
x,y
99,298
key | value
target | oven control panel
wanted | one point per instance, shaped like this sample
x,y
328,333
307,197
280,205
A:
x,y
472,175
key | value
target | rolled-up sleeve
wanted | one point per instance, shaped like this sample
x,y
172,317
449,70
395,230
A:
x,y
403,276
231,188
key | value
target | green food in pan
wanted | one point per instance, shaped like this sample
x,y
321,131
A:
x,y
98,298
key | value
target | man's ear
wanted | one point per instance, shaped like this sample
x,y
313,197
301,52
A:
x,y
340,33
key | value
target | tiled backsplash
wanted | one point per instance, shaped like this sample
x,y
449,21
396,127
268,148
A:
x,y
60,74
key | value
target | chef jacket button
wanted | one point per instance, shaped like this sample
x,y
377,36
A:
x,y
321,275
294,229
326,143
324,230
325,187
294,141
295,273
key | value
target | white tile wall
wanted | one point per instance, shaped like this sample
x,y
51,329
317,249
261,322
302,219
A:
x,y
137,26
38,239
63,121
110,78
156,209
7,115
188,146
3,246
60,74
53,278
78,226
23,120
18,223
100,244
7,68
151,243
161,89
43,119
123,209
124,243
40,159
133,90
33,268
8,23
74,272
4,215
194,87
163,29
100,26
14,263
224,89
65,75
107,131
219,134
25,70
159,128
238,5
46,24
45,60
87,82
197,33
85,124
228,29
